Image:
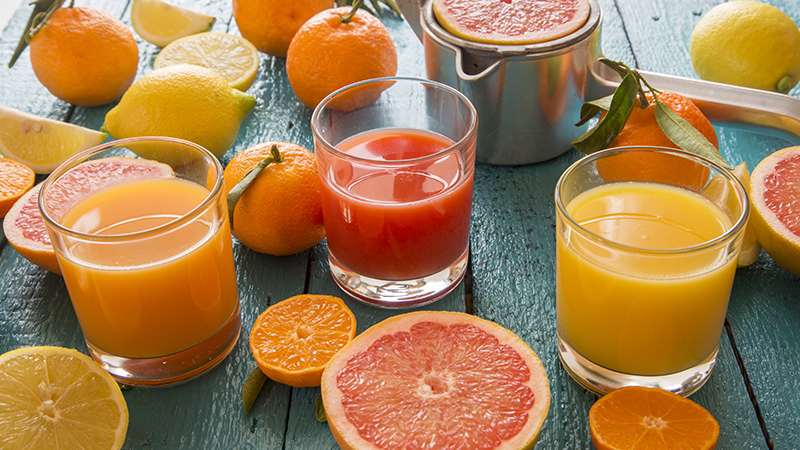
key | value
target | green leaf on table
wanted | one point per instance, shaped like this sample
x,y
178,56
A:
x,y
593,108
237,191
319,410
252,387
608,128
686,136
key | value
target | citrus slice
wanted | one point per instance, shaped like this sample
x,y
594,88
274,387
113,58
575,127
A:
x,y
518,22
160,23
233,57
649,419
39,143
441,380
15,180
293,340
24,226
775,200
719,192
56,397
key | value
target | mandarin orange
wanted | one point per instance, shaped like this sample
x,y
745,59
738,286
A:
x,y
15,180
271,24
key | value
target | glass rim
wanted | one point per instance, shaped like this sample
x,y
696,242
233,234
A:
x,y
84,156
330,148
729,234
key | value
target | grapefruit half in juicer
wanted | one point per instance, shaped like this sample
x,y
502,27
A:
x,y
432,379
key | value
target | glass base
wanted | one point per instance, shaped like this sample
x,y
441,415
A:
x,y
394,294
177,367
601,381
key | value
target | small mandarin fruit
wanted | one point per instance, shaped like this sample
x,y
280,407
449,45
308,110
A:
x,y
85,56
15,180
327,54
271,24
642,129
293,340
280,212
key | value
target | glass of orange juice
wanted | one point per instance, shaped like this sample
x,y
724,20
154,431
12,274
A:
x,y
396,157
647,241
140,230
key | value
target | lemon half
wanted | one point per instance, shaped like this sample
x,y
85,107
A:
x,y
160,23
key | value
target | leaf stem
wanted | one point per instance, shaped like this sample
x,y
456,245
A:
x,y
238,190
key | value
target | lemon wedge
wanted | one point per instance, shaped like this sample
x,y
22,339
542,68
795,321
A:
x,y
160,23
39,143
233,57
59,398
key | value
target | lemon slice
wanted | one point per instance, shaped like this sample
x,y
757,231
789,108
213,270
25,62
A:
x,y
160,23
56,397
39,143
718,191
233,57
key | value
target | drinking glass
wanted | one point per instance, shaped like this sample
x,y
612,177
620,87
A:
x,y
644,267
140,230
396,157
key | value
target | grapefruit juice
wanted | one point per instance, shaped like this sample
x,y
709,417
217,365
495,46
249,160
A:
x,y
151,296
406,221
654,312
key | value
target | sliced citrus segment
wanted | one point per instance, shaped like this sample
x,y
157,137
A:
x,y
15,180
441,380
233,57
648,419
293,340
775,200
39,143
511,22
160,23
719,192
24,226
56,397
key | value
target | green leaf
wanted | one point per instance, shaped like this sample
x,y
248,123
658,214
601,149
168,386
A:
x,y
42,10
593,108
685,136
252,387
606,130
376,9
319,410
236,192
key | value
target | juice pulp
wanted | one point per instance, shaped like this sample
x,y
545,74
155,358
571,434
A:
x,y
151,296
638,312
400,222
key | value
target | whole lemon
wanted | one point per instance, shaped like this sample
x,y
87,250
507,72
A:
x,y
747,43
182,101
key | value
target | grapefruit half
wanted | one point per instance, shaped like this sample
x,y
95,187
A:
x,y
24,226
775,200
441,380
506,22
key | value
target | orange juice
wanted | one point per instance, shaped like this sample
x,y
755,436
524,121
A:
x,y
150,295
650,312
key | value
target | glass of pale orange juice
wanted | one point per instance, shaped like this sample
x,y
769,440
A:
x,y
647,242
140,230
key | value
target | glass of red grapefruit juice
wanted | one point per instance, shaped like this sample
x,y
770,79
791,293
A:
x,y
140,230
397,161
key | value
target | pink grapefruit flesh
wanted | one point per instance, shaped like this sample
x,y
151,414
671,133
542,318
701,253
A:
x,y
441,380
24,226
507,22
775,200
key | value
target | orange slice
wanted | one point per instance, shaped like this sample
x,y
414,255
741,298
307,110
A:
x,y
649,419
436,379
506,22
293,340
15,180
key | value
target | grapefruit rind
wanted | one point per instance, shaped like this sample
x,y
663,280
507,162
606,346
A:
x,y
777,239
347,435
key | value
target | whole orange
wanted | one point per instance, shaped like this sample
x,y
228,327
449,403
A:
x,y
327,54
642,129
280,212
85,56
271,24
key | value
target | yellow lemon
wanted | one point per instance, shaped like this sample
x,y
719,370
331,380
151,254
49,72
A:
x,y
160,23
747,43
56,397
183,101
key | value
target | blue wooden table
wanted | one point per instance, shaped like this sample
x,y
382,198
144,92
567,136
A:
x,y
753,392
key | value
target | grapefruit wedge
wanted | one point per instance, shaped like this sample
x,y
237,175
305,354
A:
x,y
505,22
441,380
775,200
24,226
